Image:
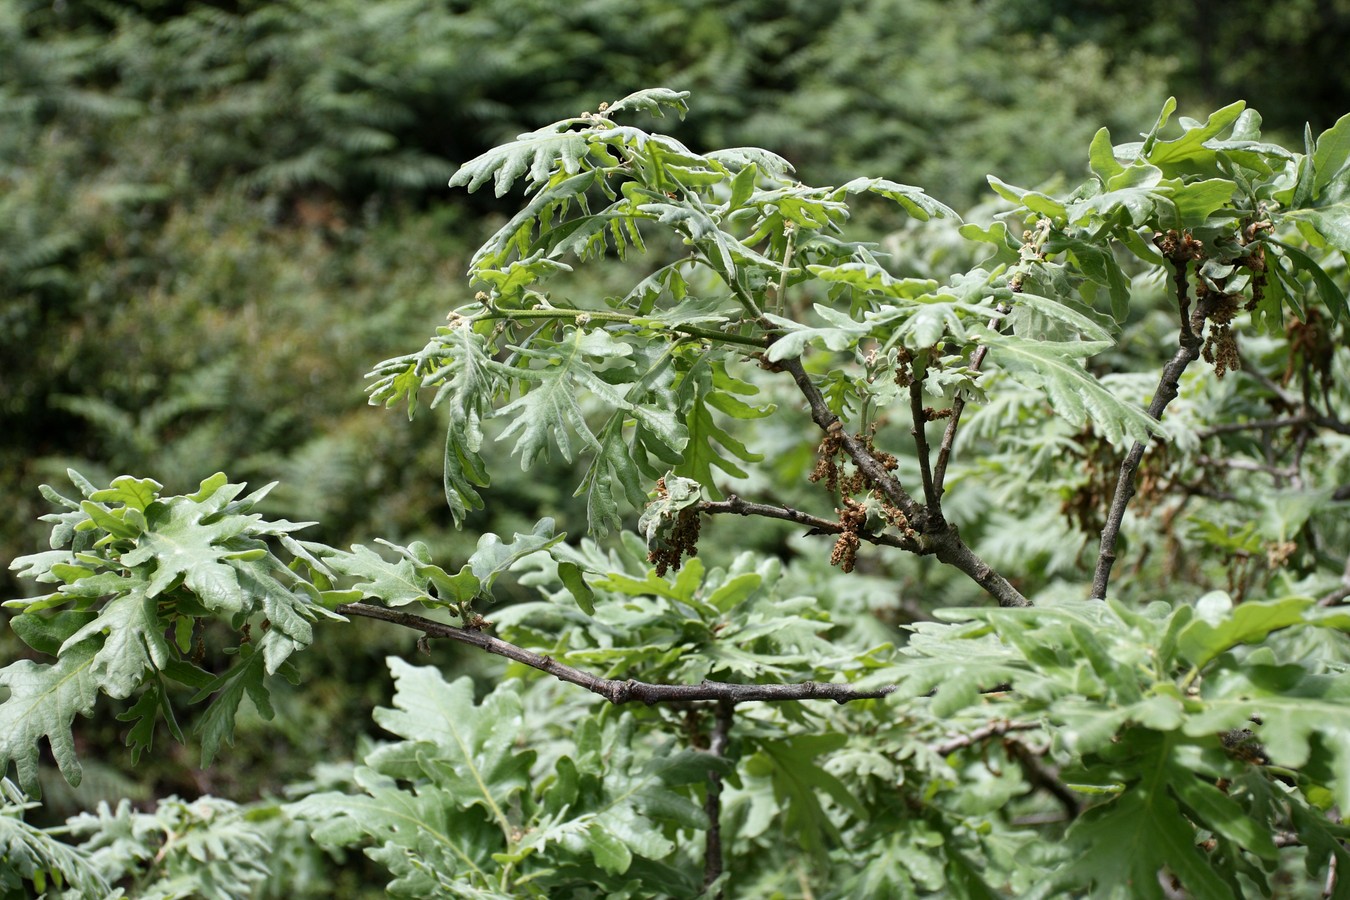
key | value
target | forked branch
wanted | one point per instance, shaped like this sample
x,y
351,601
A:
x,y
935,536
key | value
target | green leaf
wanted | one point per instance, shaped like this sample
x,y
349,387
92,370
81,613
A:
x,y
1039,203
735,590
46,634
134,641
610,853
1137,190
1198,200
33,854
1073,392
245,678
1324,844
1292,711
743,185
187,538
1221,814
612,464
651,100
572,579
1332,222
1102,157
115,523
429,848
550,411
1100,266
1333,151
42,703
1054,309
1121,845
468,384
1214,633
706,387
136,493
912,199
873,279
540,153
145,713
392,583
1327,289
493,557
1140,150
455,590
790,765
469,749
1190,147
839,334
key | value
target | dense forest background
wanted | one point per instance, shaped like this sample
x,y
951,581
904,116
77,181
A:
x,y
214,218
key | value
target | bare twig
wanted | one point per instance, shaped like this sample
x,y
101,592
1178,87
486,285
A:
x,y
1283,394
1307,417
958,406
721,736
1188,350
917,430
614,690
1246,465
1339,595
818,525
1041,776
1257,425
980,735
1044,777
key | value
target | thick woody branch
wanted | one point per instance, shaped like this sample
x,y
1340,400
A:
x,y
614,690
948,547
